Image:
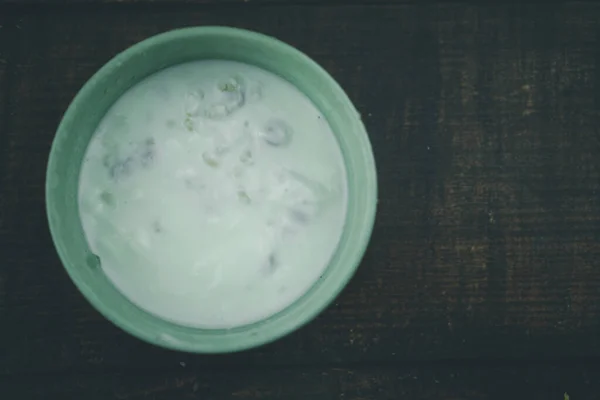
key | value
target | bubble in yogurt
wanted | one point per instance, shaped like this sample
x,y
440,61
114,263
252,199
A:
x,y
193,103
305,197
226,98
277,132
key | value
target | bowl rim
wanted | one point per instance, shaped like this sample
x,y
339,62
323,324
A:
x,y
291,317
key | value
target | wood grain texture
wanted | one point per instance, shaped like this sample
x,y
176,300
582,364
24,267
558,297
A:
x,y
484,127
7,56
536,381
3,127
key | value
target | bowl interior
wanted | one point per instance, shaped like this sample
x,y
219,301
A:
x,y
144,59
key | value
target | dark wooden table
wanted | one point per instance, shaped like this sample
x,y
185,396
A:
x,y
482,280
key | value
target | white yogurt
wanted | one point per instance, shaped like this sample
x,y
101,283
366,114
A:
x,y
214,194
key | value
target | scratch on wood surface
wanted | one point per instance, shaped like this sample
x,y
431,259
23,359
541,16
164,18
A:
x,y
142,393
252,393
167,385
3,293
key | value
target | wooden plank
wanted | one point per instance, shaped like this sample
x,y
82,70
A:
x,y
28,4
4,60
8,33
484,127
70,3
435,383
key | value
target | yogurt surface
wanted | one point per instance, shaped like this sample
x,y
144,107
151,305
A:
x,y
214,194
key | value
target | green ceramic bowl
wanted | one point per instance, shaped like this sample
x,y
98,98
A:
x,y
144,59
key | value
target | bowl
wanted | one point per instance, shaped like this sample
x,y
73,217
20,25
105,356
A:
x,y
150,56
